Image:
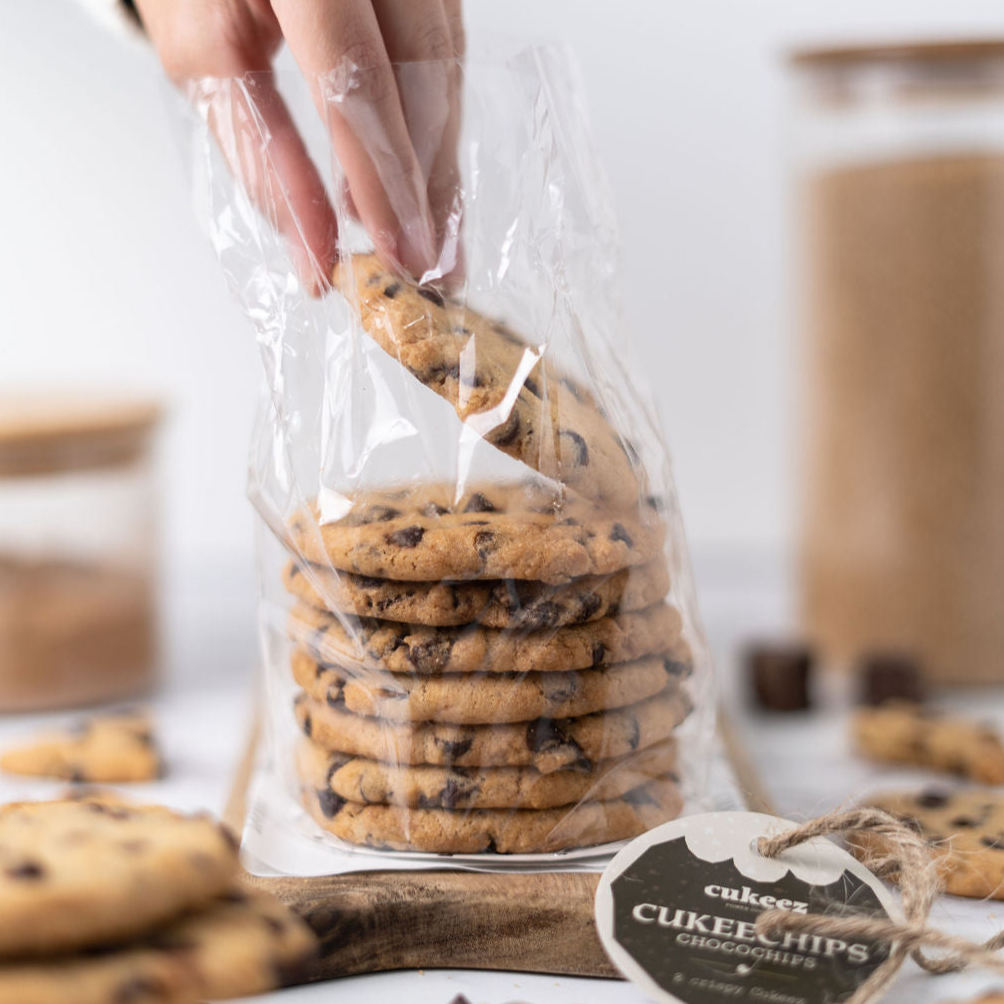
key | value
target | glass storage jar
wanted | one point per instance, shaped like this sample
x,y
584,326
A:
x,y
78,548
901,215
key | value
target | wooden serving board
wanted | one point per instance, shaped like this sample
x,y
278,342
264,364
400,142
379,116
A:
x,y
369,922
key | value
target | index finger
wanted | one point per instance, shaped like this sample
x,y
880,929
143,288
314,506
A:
x,y
367,125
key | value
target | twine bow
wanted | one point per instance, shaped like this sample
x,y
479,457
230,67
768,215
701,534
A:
x,y
903,852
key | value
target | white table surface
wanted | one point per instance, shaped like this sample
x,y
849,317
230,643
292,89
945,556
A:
x,y
203,713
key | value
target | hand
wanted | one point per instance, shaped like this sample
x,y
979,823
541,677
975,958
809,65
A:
x,y
399,158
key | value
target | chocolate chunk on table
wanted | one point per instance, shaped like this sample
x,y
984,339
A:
x,y
779,674
889,676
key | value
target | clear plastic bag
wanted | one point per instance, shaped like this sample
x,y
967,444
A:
x,y
478,625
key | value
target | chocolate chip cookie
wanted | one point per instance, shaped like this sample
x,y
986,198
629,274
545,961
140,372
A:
x,y
496,532
78,874
478,699
499,831
413,648
908,733
356,779
504,389
965,830
512,603
105,749
240,945
546,743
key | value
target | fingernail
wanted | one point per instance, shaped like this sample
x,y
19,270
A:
x,y
416,248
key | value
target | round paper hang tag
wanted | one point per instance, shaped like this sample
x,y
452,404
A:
x,y
676,912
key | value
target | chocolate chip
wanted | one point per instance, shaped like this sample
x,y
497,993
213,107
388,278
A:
x,y
546,735
639,797
675,669
392,290
541,614
437,374
485,542
507,432
933,799
308,725
453,792
409,536
964,822
478,503
531,385
563,688
432,295
434,509
581,450
380,514
114,811
599,653
589,605
469,379
572,389
331,804
491,847
140,988
433,654
634,737
780,675
334,695
995,843
454,749
619,533
26,870
889,676
274,924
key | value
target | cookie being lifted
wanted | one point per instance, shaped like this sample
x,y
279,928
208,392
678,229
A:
x,y
498,384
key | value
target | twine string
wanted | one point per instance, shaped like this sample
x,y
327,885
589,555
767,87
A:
x,y
891,848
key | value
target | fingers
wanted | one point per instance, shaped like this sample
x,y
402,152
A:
x,y
368,130
427,36
267,155
200,45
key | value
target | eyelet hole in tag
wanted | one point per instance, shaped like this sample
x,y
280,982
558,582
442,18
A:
x,y
676,911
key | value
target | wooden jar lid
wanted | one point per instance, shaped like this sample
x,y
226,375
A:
x,y
931,51
49,433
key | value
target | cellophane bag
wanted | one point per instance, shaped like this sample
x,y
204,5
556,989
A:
x,y
478,627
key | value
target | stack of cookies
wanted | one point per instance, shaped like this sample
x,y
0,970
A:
x,y
519,711
495,667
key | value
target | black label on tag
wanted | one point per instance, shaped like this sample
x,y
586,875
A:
x,y
686,925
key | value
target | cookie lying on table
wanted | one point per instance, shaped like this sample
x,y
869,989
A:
x,y
101,750
241,944
914,734
75,874
965,830
104,901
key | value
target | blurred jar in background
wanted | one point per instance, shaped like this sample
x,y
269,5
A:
x,y
901,207
78,546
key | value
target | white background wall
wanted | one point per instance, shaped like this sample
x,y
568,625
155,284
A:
x,y
106,278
